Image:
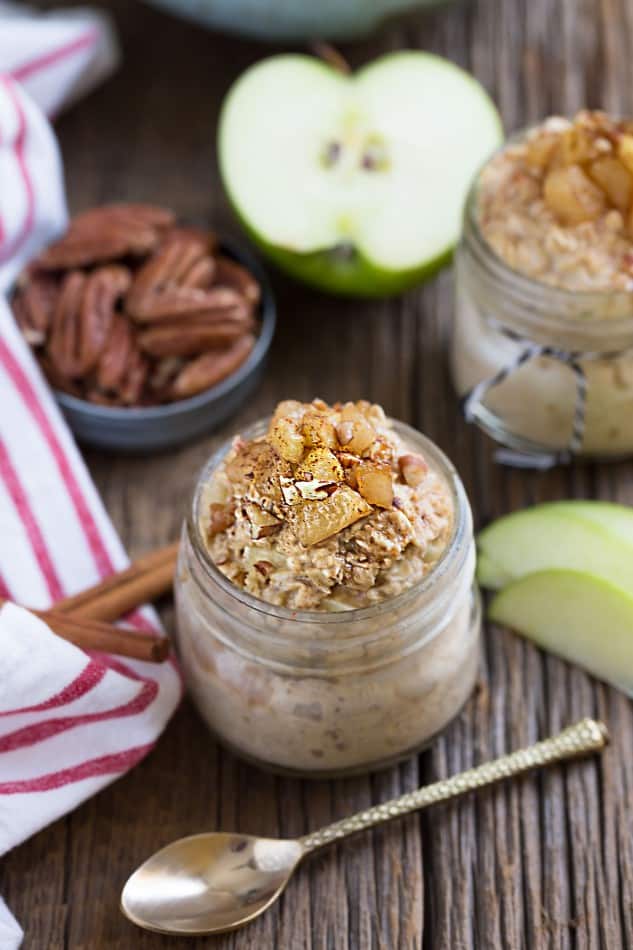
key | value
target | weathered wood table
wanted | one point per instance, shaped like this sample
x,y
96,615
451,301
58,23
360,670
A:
x,y
542,862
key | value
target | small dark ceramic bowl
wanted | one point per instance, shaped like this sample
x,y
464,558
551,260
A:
x,y
152,428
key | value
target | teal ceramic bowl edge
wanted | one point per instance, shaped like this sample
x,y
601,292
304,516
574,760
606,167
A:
x,y
156,428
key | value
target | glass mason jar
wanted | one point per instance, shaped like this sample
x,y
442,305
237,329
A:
x,y
320,693
543,370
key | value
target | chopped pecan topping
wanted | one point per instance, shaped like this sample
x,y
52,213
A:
x,y
221,517
413,469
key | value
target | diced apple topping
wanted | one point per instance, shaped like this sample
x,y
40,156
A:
x,y
614,179
315,521
625,151
572,196
320,463
257,463
263,524
318,430
288,407
286,438
375,484
355,432
413,469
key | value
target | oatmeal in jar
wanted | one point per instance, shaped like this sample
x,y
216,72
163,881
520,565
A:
x,y
543,343
327,620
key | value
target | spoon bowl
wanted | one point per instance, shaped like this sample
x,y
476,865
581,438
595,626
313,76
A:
x,y
209,883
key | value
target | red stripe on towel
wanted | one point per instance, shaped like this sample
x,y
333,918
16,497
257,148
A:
x,y
24,70
40,731
23,507
25,388
90,676
105,765
19,149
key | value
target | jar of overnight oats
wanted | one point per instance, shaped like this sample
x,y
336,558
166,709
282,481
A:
x,y
542,349
328,621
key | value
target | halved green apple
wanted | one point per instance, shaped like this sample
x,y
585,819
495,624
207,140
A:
x,y
355,184
579,535
582,618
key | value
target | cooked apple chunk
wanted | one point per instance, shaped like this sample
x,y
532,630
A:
x,y
285,437
322,464
257,464
625,151
263,524
614,179
318,430
354,431
314,521
572,196
375,484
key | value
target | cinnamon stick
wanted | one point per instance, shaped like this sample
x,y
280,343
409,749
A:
x,y
93,635
147,579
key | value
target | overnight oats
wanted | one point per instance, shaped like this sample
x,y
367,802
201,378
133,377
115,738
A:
x,y
327,616
542,350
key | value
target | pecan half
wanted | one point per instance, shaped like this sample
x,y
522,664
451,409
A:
x,y
64,339
116,354
83,318
131,388
188,338
172,283
211,368
230,274
34,304
206,239
163,374
179,302
105,233
57,380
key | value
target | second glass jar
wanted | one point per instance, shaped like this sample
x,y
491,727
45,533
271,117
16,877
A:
x,y
561,361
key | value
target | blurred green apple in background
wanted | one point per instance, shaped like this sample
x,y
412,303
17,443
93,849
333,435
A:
x,y
355,183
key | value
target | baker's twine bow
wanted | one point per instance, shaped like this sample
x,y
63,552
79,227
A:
x,y
473,401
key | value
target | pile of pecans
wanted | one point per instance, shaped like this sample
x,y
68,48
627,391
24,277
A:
x,y
130,309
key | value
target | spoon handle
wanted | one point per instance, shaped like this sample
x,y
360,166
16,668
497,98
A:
x,y
584,737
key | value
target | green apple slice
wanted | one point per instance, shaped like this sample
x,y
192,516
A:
x,y
583,618
355,183
580,535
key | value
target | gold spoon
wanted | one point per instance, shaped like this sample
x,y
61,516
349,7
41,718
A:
x,y
211,883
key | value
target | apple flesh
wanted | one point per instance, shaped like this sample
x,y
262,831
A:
x,y
596,537
355,184
580,617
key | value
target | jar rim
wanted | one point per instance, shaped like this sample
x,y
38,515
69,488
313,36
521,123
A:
x,y
450,560
532,288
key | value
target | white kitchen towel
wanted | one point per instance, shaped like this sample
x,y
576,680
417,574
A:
x,y
70,722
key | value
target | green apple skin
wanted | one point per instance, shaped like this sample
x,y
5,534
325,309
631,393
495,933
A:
x,y
596,537
334,273
582,618
332,269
